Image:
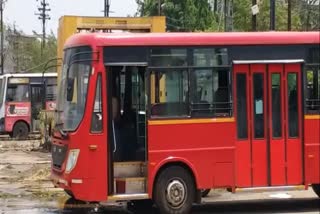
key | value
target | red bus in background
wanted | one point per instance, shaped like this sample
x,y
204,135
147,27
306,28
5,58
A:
x,y
164,116
22,96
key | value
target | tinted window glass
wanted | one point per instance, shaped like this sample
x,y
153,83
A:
x,y
276,106
125,54
51,92
210,92
169,93
258,104
242,123
18,93
166,57
313,89
96,120
293,105
209,57
314,55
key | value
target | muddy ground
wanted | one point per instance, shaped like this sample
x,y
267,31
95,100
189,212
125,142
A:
x,y
24,177
25,188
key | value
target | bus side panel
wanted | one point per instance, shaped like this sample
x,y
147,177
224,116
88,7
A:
x,y
312,150
210,147
17,111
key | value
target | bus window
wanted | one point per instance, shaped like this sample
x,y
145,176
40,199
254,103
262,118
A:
x,y
51,92
51,89
167,57
171,92
96,121
210,57
241,93
210,96
18,93
293,105
313,89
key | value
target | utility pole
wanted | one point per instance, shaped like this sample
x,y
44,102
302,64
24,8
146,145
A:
x,y
2,35
254,17
272,14
159,7
289,15
106,8
43,16
228,15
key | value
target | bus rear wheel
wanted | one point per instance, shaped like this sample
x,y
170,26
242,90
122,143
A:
x,y
20,130
316,189
174,191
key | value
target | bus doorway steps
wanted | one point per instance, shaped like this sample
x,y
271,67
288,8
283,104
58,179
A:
x,y
129,177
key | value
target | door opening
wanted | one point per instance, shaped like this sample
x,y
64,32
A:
x,y
127,129
36,105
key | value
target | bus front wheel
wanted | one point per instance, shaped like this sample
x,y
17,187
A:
x,y
316,189
20,130
174,191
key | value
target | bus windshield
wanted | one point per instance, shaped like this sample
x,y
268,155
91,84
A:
x,y
73,88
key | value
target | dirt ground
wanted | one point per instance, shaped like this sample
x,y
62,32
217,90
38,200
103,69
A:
x,y
25,188
24,176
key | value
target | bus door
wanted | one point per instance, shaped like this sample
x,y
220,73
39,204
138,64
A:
x,y
268,111
285,124
36,104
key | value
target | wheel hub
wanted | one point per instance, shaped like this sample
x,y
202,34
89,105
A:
x,y
176,193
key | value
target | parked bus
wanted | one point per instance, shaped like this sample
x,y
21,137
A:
x,y
164,116
22,96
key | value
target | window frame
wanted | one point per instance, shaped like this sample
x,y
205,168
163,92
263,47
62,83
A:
x,y
214,103
149,72
190,67
17,85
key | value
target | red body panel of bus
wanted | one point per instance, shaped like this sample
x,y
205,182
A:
x,y
206,146
17,111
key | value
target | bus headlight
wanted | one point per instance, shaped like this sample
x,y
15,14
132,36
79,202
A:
x,y
72,159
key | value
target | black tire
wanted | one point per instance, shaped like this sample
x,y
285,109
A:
x,y
205,192
11,134
74,206
182,186
20,130
316,189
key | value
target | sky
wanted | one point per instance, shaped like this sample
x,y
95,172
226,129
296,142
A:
x,y
21,12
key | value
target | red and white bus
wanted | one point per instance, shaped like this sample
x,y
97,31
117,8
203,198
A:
x,y
22,96
163,116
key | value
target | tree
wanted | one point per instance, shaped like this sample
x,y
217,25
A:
x,y
23,51
209,15
243,16
187,15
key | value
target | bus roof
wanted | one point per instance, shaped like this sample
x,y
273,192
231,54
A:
x,y
30,75
193,39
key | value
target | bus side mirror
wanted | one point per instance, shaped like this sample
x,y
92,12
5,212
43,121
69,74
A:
x,y
70,85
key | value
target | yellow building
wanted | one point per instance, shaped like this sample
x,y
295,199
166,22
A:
x,y
69,25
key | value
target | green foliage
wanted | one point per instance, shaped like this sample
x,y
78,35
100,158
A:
x,y
24,51
187,15
199,15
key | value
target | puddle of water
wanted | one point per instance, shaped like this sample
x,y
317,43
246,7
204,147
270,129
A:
x,y
281,195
